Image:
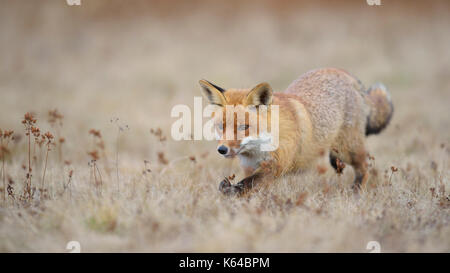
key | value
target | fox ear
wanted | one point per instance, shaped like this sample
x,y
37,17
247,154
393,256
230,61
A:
x,y
260,95
213,93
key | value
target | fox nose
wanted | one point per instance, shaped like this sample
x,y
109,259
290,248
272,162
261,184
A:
x,y
222,149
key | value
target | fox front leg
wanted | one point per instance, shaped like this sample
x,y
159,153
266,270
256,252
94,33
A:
x,y
239,188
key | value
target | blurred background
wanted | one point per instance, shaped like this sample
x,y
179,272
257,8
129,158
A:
x,y
134,60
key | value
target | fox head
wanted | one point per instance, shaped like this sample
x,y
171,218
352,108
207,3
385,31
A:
x,y
241,118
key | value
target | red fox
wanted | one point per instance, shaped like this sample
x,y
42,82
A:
x,y
325,110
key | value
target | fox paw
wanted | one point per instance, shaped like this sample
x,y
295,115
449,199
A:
x,y
228,189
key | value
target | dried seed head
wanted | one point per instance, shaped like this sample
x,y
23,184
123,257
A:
x,y
28,116
29,119
48,135
162,158
95,133
35,131
94,155
158,133
394,169
340,166
8,134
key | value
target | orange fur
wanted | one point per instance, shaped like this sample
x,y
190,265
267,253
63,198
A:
x,y
323,110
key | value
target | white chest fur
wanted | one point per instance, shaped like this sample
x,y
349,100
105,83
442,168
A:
x,y
249,161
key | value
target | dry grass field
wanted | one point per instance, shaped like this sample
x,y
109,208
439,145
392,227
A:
x,y
113,72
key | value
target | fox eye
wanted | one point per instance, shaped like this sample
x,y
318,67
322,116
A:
x,y
243,127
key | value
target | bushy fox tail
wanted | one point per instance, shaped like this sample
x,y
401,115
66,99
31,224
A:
x,y
381,108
